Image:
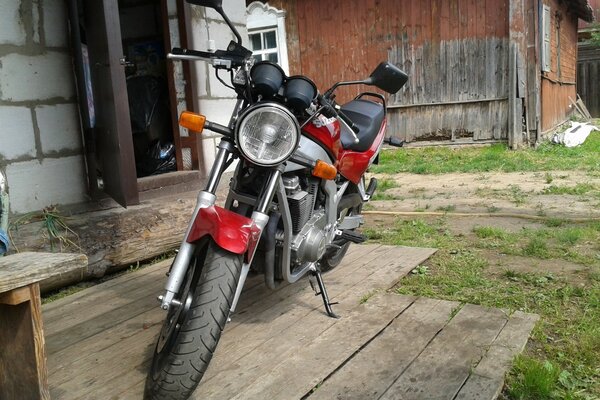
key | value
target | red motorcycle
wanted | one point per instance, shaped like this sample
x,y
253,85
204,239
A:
x,y
293,208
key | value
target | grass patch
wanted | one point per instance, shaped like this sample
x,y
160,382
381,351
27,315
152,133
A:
x,y
382,187
564,354
533,379
496,158
447,209
579,189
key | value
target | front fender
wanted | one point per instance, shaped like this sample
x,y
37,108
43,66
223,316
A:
x,y
230,231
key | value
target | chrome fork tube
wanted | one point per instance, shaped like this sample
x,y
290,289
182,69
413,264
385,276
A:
x,y
206,199
260,218
225,148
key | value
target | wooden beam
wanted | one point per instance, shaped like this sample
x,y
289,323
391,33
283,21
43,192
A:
x,y
15,296
23,372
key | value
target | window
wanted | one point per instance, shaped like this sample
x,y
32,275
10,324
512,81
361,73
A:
x,y
546,34
266,29
264,45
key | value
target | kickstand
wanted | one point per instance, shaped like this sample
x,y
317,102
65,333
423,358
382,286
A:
x,y
316,275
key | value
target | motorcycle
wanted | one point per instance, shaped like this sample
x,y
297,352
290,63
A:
x,y
293,207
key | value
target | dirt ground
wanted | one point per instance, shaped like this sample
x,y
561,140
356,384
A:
x,y
497,195
520,193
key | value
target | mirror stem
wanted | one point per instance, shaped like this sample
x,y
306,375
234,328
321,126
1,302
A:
x,y
230,24
330,91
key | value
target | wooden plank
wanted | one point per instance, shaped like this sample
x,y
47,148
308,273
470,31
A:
x,y
153,317
298,374
16,296
370,371
441,370
487,379
389,269
100,292
248,350
23,372
23,269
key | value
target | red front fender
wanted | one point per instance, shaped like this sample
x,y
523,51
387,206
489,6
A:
x,y
231,231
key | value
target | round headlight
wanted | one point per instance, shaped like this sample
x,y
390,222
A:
x,y
267,134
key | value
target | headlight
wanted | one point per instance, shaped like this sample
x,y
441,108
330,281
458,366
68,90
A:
x,y
267,134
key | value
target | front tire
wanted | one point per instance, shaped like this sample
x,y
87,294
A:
x,y
191,331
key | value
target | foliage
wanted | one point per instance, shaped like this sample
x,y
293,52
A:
x,y
55,229
498,158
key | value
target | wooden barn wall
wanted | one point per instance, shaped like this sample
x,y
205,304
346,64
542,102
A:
x,y
455,52
560,83
588,76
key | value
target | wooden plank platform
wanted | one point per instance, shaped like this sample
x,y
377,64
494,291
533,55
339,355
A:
x,y
280,345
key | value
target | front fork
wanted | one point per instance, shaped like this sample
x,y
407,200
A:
x,y
207,198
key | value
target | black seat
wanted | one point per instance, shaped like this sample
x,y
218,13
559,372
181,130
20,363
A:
x,y
367,116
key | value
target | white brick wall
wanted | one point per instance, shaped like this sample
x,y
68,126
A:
x,y
39,77
235,10
33,185
59,127
11,30
55,23
218,111
16,132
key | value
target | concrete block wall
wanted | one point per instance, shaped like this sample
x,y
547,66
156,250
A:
x,y
40,135
214,99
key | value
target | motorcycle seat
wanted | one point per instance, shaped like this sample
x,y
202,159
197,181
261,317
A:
x,y
368,116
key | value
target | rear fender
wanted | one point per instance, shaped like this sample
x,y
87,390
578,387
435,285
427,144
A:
x,y
230,231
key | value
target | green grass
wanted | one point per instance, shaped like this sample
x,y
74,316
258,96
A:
x,y
498,158
563,359
579,189
382,187
533,379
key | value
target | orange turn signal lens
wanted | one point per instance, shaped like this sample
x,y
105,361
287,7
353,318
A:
x,y
324,170
194,122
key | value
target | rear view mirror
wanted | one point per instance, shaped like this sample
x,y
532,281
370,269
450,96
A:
x,y
388,77
216,4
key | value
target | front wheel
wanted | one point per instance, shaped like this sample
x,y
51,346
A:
x,y
192,330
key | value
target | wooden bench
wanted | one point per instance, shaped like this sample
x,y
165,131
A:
x,y
23,372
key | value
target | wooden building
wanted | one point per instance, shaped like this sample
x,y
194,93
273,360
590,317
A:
x,y
588,63
480,71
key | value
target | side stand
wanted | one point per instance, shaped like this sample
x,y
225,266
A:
x,y
316,276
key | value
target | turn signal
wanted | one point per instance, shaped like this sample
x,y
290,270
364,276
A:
x,y
194,122
324,171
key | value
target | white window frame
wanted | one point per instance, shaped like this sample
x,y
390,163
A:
x,y
260,17
265,52
546,38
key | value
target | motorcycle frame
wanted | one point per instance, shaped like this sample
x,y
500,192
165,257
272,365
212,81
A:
x,y
253,226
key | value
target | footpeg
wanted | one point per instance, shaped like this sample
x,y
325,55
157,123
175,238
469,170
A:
x,y
316,278
353,236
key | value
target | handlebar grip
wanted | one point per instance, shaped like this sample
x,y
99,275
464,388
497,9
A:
x,y
178,51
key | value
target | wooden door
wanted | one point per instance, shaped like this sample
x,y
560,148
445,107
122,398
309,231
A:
x,y
113,129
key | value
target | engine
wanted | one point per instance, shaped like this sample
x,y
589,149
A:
x,y
308,224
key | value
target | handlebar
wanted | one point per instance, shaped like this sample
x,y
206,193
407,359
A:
x,y
330,109
228,59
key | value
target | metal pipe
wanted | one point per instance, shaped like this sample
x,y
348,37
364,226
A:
x,y
267,197
270,245
225,147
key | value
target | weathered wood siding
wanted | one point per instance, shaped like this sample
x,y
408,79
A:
x,y
560,83
588,77
455,52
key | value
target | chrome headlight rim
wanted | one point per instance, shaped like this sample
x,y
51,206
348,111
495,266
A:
x,y
260,107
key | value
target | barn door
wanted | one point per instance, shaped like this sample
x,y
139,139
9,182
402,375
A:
x,y
112,126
